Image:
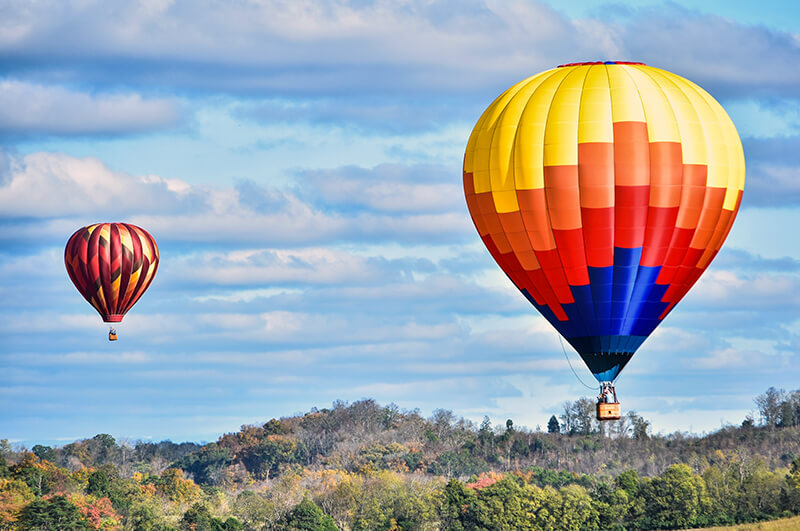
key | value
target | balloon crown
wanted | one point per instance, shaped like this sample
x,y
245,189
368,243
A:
x,y
602,63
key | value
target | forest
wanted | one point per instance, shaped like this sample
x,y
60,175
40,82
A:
x,y
363,466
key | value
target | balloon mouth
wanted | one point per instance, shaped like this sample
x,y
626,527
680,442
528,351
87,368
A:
x,y
113,318
602,63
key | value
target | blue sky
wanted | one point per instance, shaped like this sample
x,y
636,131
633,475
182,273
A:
x,y
299,164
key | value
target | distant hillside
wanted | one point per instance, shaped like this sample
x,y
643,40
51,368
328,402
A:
x,y
367,436
367,466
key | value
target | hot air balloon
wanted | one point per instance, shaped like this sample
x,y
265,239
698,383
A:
x,y
604,190
112,265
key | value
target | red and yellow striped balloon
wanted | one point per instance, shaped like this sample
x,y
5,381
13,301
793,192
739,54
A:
x,y
604,190
112,265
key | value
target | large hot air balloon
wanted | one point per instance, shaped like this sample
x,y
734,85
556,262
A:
x,y
604,190
112,265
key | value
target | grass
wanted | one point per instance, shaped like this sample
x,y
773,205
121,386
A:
x,y
785,524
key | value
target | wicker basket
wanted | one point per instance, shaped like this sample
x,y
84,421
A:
x,y
608,411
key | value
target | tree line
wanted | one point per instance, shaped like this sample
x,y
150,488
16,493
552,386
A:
x,y
366,466
35,494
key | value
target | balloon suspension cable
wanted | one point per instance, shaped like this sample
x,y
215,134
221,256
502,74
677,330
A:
x,y
592,387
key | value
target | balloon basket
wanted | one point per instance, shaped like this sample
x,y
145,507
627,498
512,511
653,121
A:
x,y
608,411
112,335
607,404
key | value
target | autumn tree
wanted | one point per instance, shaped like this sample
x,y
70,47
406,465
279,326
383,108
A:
x,y
15,494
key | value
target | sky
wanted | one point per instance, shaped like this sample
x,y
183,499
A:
x,y
299,164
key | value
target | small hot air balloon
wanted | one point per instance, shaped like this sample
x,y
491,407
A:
x,y
112,265
603,191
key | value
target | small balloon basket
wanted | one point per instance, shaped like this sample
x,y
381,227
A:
x,y
608,411
607,404
112,334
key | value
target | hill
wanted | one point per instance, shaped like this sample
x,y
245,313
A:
x,y
367,466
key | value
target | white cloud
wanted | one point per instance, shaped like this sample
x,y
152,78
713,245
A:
x,y
773,185
314,47
49,185
52,185
45,264
726,58
313,265
277,45
95,359
723,289
729,358
30,108
388,188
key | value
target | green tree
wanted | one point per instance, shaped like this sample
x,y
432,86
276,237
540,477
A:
x,y
207,465
146,517
275,427
388,501
724,489
255,511
268,457
486,439
199,518
457,499
307,515
54,514
640,426
787,415
760,492
629,482
553,426
45,452
498,506
612,505
577,511
674,500
792,501
98,484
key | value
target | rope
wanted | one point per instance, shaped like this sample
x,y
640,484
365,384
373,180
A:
x,y
592,387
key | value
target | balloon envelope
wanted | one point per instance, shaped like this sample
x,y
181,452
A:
x,y
111,264
604,190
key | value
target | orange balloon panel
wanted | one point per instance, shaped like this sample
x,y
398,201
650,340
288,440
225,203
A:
x,y
604,190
